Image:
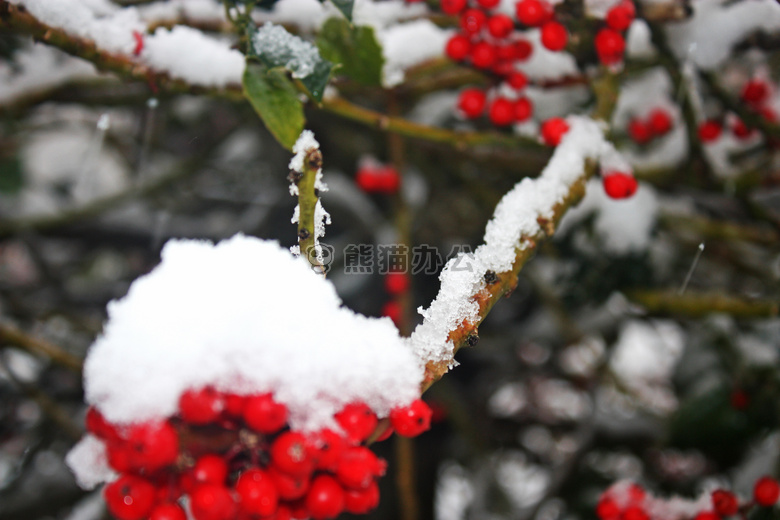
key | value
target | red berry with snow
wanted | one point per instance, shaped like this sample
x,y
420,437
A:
x,y
483,55
361,501
168,512
607,509
533,13
619,185
325,498
554,36
553,130
709,131
500,25
98,426
263,414
453,6
501,112
212,502
289,454
659,121
741,130
458,47
724,502
472,20
151,446
621,15
358,421
210,469
411,420
130,497
610,46
200,406
634,513
257,493
472,102
328,447
766,491
523,109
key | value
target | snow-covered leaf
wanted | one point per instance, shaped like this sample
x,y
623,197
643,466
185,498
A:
x,y
355,48
274,47
275,99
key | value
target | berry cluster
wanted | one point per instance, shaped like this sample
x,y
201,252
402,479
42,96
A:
x,y
657,124
235,457
631,502
373,177
610,43
756,94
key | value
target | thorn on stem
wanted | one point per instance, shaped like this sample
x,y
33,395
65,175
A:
x,y
314,159
294,176
472,339
303,234
490,277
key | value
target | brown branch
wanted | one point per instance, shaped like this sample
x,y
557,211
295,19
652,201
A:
x,y
697,305
39,347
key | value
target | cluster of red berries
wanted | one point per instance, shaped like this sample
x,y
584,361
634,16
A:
x,y
631,502
610,43
657,124
235,457
489,41
397,283
373,177
756,94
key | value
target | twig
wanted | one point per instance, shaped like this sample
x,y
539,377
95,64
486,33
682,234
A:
x,y
40,347
696,305
308,199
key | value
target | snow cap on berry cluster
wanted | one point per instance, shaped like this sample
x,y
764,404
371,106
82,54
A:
x,y
246,317
515,217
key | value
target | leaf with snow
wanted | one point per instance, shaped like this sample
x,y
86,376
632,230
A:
x,y
355,48
274,47
275,100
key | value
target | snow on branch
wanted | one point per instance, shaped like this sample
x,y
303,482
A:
x,y
471,283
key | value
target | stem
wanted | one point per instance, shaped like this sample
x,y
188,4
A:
x,y
39,347
696,305
308,197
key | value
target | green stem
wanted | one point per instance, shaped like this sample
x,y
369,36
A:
x,y
696,305
308,197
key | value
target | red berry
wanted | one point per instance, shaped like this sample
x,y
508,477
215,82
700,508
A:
x,y
706,515
553,130
621,15
397,282
500,25
607,509
210,469
506,52
263,414
504,68
458,47
517,80
200,406
768,113
472,102
472,20
483,55
554,36
634,513
234,405
533,13
724,502
139,43
709,131
357,467
393,310
212,502
289,454
639,131
636,494
328,447
619,185
361,501
523,49
659,121
98,426
488,4
290,487
389,180
168,512
412,420
357,420
523,109
741,130
610,46
130,497
755,92
151,446
257,493
766,491
325,498
453,6
501,112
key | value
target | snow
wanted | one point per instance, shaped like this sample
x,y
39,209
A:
x,y
298,56
205,10
245,316
454,492
716,26
515,217
89,462
659,508
544,64
407,44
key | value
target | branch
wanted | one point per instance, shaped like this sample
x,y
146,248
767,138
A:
x,y
39,347
306,168
697,305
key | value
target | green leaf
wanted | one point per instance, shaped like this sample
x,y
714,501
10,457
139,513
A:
x,y
345,6
275,99
355,48
274,47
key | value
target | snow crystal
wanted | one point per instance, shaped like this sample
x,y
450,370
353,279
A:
x,y
89,462
298,56
708,37
245,316
515,216
189,54
407,44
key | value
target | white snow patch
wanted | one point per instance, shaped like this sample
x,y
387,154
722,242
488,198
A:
x,y
544,64
89,462
232,315
454,492
407,44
